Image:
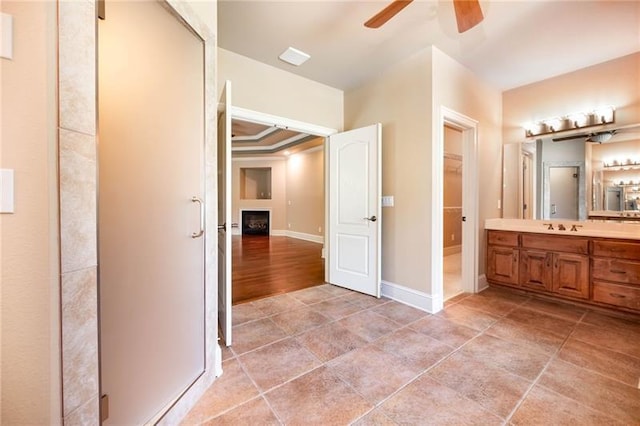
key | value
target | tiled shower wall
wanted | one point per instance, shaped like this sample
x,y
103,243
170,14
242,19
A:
x,y
77,131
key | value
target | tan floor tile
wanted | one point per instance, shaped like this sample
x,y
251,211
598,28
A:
x,y
538,319
335,290
277,363
318,397
330,341
612,364
246,312
518,359
414,348
337,308
400,312
299,320
495,389
611,338
455,299
593,390
254,334
364,300
312,295
468,317
500,293
558,309
276,304
254,412
375,418
369,325
234,387
452,334
373,373
544,407
425,401
490,305
630,326
522,333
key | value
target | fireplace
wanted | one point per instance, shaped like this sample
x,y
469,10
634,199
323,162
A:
x,y
255,222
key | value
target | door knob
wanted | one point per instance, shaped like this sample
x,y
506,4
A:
x,y
371,219
222,227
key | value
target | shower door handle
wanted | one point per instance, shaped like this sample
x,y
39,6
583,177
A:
x,y
198,234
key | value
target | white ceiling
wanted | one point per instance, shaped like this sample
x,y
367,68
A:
x,y
519,41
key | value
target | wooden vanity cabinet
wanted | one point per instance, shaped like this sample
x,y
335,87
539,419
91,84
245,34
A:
x,y
615,272
555,264
503,257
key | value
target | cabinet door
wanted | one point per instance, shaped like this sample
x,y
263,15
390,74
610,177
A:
x,y
502,265
535,270
571,275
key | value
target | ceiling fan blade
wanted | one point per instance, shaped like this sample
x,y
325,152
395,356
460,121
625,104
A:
x,y
387,13
468,14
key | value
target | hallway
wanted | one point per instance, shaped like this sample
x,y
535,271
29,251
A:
x,y
326,355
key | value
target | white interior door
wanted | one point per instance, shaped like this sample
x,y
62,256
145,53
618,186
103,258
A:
x,y
354,209
224,214
151,250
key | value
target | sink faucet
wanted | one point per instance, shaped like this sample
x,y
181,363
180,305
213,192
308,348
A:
x,y
561,227
575,227
550,226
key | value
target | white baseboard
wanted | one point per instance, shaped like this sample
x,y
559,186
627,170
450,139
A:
x,y
307,237
236,231
408,296
482,283
447,251
278,233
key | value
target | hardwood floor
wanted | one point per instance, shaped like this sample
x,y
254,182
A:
x,y
264,266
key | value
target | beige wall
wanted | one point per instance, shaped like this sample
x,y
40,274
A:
x,y
305,192
400,99
263,88
455,87
277,203
616,83
406,100
29,307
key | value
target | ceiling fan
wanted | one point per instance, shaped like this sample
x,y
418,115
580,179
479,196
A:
x,y
468,14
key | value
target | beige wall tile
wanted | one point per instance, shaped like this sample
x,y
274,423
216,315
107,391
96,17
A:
x,y
77,73
79,338
77,200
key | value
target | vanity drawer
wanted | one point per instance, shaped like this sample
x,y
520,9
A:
x,y
622,271
617,295
576,245
503,238
617,249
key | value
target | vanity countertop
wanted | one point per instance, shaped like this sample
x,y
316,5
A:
x,y
583,229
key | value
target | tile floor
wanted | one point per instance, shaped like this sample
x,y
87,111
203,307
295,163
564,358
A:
x,y
328,356
452,275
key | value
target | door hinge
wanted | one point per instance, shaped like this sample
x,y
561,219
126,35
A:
x,y
101,9
104,408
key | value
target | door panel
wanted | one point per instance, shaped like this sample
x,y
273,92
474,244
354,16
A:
x,y
354,209
224,215
151,270
563,193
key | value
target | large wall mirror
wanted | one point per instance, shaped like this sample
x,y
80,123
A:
x,y
574,178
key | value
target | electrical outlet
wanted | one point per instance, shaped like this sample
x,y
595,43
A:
x,y
453,237
289,225
319,228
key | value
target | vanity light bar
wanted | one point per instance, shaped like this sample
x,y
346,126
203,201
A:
x,y
597,117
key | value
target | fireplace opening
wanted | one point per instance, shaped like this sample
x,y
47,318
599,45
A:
x,y
255,222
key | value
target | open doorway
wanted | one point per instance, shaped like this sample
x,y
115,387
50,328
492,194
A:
x,y
452,213
277,210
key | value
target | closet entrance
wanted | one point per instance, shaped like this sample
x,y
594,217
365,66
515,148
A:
x,y
452,213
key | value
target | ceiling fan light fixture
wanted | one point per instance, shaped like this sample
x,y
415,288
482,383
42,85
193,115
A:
x,y
600,137
294,56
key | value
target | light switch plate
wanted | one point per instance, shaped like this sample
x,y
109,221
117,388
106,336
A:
x,y
6,36
387,201
6,191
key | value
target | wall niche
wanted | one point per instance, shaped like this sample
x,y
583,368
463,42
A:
x,y
255,183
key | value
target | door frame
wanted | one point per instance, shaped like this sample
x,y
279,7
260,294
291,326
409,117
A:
x,y
469,129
